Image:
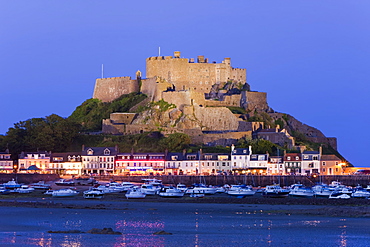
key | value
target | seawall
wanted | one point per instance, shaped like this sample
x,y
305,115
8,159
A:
x,y
254,180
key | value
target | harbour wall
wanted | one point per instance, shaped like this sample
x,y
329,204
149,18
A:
x,y
254,180
28,178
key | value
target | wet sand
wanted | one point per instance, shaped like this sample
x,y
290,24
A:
x,y
210,221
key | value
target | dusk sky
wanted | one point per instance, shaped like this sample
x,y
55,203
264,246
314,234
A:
x,y
311,57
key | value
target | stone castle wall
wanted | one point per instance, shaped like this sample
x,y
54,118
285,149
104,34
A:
x,y
109,89
229,100
212,118
153,88
187,75
255,100
122,118
184,98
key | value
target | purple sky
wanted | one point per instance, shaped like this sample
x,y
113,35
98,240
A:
x,y
311,57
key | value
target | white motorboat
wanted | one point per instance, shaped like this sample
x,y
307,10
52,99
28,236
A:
x,y
197,195
106,189
170,192
115,187
3,190
298,190
149,189
181,187
64,182
220,189
321,190
40,185
93,193
127,185
339,195
152,181
275,191
135,193
368,187
360,193
242,192
11,184
24,189
201,189
64,192
48,192
157,184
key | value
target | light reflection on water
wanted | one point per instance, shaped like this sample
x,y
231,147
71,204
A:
x,y
196,227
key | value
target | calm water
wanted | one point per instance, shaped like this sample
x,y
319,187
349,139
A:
x,y
191,225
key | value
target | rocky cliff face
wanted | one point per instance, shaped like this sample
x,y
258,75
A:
x,y
294,127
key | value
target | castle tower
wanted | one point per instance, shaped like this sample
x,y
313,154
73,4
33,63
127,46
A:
x,y
185,74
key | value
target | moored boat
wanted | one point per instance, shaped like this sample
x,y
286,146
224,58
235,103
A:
x,y
321,190
11,184
149,189
93,193
135,193
181,187
170,192
201,189
339,195
64,182
24,189
64,192
298,190
241,191
4,191
127,185
275,191
40,185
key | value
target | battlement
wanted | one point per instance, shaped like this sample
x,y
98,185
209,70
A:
x,y
109,89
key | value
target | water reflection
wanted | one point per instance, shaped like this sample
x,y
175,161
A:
x,y
190,227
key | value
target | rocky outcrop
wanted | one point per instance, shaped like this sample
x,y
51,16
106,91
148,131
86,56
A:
x,y
294,127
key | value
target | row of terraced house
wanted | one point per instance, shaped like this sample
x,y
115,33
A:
x,y
109,161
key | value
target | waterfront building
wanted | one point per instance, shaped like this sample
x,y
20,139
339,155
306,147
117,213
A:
x,y
98,160
34,162
6,163
140,164
258,164
310,162
292,163
66,163
331,165
240,159
173,163
191,164
275,166
215,163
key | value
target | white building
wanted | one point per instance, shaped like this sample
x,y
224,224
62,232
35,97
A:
x,y
98,160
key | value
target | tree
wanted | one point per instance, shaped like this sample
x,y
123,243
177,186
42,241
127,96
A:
x,y
175,142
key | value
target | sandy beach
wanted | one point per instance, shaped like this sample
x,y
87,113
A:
x,y
210,221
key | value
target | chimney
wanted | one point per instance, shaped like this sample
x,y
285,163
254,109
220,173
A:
x,y
83,147
176,54
232,148
200,59
250,150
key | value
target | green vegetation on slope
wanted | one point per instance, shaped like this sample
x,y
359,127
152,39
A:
x,y
91,112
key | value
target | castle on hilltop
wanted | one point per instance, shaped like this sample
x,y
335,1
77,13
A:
x,y
182,81
199,96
